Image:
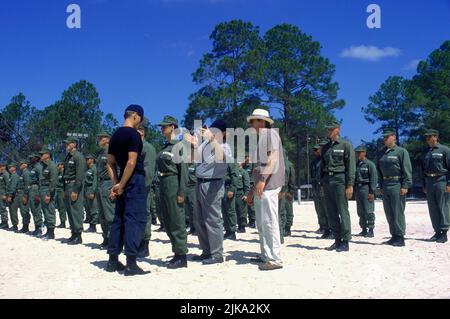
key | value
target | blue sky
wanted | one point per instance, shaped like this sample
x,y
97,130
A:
x,y
144,51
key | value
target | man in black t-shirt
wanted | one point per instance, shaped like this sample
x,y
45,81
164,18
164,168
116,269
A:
x,y
129,191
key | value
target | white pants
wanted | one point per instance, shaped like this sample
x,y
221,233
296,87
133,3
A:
x,y
266,211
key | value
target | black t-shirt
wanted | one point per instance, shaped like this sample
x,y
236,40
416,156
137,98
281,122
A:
x,y
123,141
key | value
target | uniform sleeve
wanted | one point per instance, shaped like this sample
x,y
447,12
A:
x,y
246,181
407,170
95,181
80,171
292,186
26,183
12,185
373,178
422,169
53,179
350,163
183,177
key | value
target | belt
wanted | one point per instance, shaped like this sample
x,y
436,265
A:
x,y
167,174
362,184
334,173
69,181
208,180
36,185
435,174
391,177
104,179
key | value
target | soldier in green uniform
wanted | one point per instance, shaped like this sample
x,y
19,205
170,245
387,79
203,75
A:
x,y
22,194
173,181
436,181
4,181
191,197
290,199
157,202
318,194
47,187
229,202
34,196
149,155
74,169
366,181
251,208
104,185
90,191
283,205
12,198
242,189
338,176
395,175
59,200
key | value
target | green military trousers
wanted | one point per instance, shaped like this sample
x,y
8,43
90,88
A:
x,y
321,208
394,208
60,206
173,214
337,206
91,207
282,212
24,208
34,199
13,210
48,209
105,206
229,213
189,204
438,203
150,204
289,213
241,209
75,209
251,213
365,207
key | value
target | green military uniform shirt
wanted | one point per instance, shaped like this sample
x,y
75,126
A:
x,y
12,185
90,181
436,161
166,165
231,178
74,169
49,177
24,182
395,163
102,165
4,182
338,157
35,173
149,155
243,181
192,178
60,181
366,174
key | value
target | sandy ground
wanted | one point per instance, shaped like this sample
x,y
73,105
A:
x,y
33,268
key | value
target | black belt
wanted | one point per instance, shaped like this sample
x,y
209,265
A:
x,y
208,180
387,178
362,184
34,185
167,174
334,173
435,174
70,181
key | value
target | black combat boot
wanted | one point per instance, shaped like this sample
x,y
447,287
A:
x,y
399,242
390,241
252,224
213,261
14,229
335,246
287,231
241,229
154,221
230,235
178,261
192,231
435,236
132,269
143,249
37,232
320,230
114,264
343,246
4,225
77,240
104,244
25,229
370,233
363,233
442,238
62,225
201,257
161,229
68,240
92,228
50,234
326,234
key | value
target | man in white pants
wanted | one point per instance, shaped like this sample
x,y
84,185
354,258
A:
x,y
268,176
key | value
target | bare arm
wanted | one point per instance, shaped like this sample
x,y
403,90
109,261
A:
x,y
112,169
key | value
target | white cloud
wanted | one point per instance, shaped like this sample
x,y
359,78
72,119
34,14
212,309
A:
x,y
369,52
412,66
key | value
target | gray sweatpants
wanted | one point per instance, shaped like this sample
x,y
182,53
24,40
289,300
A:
x,y
208,220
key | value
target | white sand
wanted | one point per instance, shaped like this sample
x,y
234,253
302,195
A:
x,y
33,268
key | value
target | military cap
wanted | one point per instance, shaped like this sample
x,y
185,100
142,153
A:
x,y
33,155
361,148
23,161
323,142
103,134
60,163
388,132
333,124
135,108
44,151
90,156
2,163
431,132
169,120
71,140
316,147
12,164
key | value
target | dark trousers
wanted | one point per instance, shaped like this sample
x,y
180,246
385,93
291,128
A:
x,y
130,218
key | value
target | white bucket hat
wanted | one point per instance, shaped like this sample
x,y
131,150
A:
x,y
260,114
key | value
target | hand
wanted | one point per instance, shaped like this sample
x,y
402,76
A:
x,y
91,196
259,189
371,197
180,200
290,198
191,139
47,199
25,200
349,192
4,198
117,190
249,199
381,192
403,191
230,195
9,199
281,195
244,198
448,189
73,196
425,190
